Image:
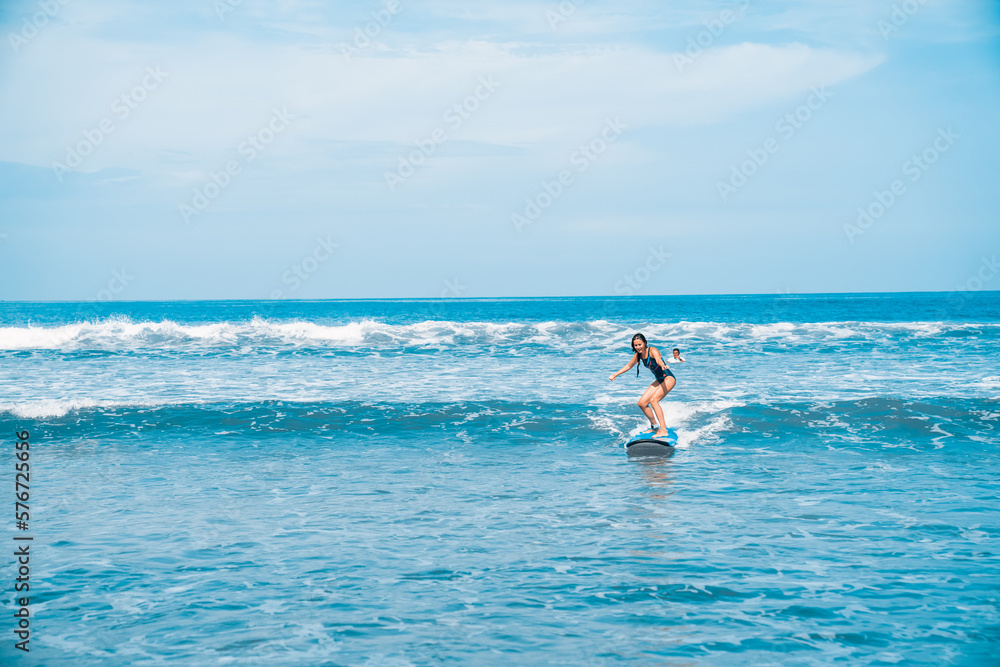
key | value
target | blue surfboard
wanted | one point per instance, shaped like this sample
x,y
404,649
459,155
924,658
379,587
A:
x,y
645,444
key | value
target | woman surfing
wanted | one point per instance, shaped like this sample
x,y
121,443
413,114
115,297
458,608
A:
x,y
662,384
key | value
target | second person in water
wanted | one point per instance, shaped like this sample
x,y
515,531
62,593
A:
x,y
664,381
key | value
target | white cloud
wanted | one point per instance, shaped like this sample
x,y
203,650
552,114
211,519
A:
x,y
223,87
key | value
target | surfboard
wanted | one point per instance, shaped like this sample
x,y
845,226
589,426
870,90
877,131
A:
x,y
644,444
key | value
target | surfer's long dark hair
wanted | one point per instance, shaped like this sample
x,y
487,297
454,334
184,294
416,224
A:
x,y
643,339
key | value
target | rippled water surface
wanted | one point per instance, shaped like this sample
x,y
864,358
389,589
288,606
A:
x,y
444,482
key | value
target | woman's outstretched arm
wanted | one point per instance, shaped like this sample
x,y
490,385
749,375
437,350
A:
x,y
630,364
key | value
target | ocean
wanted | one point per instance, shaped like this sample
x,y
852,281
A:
x,y
423,482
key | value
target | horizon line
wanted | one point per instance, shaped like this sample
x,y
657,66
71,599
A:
x,y
509,298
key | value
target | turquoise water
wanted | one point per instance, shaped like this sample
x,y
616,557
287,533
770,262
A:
x,y
426,482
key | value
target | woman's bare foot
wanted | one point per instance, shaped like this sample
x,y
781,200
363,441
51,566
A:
x,y
662,433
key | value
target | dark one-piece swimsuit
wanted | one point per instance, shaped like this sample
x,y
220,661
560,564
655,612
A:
x,y
660,374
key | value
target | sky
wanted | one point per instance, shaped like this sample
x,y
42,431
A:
x,y
227,149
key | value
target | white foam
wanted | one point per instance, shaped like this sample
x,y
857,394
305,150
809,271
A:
x,y
605,423
694,408
45,408
118,333
22,338
775,330
679,415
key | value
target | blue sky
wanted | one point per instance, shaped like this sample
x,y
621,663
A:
x,y
201,150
